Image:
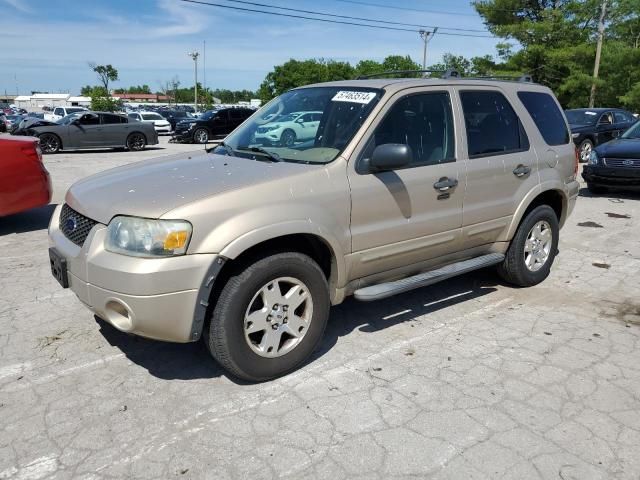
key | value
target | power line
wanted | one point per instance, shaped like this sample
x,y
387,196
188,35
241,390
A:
x,y
409,9
326,20
388,22
442,12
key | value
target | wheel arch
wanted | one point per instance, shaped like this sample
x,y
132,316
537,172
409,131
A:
x,y
55,135
242,254
554,196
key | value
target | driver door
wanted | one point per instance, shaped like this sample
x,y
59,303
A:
x,y
308,125
86,132
400,217
605,128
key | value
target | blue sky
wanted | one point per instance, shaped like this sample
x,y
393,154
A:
x,y
47,44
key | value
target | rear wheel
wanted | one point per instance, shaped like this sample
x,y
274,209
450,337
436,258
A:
x,y
50,143
269,317
201,135
136,142
533,248
584,150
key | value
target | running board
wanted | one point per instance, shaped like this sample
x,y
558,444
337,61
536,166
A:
x,y
384,290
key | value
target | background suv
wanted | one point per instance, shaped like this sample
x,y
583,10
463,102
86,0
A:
x,y
211,124
406,182
289,128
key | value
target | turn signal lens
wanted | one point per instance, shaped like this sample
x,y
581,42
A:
x,y
176,240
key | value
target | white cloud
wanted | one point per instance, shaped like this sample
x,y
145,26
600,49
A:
x,y
20,5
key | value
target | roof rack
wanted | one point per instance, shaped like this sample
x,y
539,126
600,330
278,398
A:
x,y
445,73
518,78
450,73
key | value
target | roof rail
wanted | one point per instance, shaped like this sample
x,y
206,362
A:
x,y
445,73
518,78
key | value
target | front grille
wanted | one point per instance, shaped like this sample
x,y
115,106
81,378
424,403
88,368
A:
x,y
622,162
75,226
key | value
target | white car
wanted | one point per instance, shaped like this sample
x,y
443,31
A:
x,y
289,128
60,112
159,122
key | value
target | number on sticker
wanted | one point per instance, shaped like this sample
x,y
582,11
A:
x,y
354,97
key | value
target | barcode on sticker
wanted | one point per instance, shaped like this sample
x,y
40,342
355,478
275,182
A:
x,y
353,97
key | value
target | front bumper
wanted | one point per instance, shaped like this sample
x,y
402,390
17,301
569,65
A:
x,y
154,298
613,177
163,129
183,135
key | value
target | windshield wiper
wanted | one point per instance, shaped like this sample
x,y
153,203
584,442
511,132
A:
x,y
274,157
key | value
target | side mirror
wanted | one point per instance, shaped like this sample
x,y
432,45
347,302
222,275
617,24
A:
x,y
390,156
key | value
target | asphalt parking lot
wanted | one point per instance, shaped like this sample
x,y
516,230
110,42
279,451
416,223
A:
x,y
468,379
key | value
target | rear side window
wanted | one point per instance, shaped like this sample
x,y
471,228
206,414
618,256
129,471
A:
x,y
547,117
622,117
110,119
493,128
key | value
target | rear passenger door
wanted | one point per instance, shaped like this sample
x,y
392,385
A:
x,y
500,165
114,131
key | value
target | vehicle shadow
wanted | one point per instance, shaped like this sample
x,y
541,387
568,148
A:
x,y
612,193
29,221
103,150
190,361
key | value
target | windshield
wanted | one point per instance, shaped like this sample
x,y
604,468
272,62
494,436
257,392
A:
x,y
208,115
329,118
68,119
632,132
152,116
581,117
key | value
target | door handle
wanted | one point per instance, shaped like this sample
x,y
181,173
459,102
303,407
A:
x,y
445,183
521,170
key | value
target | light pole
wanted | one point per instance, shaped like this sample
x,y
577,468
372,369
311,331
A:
x,y
194,55
426,36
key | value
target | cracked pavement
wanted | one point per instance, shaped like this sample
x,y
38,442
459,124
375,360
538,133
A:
x,y
467,379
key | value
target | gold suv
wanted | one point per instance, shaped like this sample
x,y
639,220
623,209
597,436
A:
x,y
401,184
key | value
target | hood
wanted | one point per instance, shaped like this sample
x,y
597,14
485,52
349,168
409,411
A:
x,y
153,187
620,148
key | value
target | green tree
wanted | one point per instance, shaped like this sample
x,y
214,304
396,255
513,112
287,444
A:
x,y
105,73
101,101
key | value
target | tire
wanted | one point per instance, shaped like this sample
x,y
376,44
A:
x,y
136,142
201,135
514,268
50,143
584,150
596,189
288,138
248,355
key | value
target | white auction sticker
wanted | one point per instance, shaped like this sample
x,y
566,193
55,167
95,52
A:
x,y
353,97
590,113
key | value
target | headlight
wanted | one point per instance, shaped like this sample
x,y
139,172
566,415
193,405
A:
x,y
143,237
575,135
271,128
593,158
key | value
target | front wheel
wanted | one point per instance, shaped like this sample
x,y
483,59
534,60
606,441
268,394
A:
x,y
533,248
201,135
136,142
584,150
49,143
288,138
269,317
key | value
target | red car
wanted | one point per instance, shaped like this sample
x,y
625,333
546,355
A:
x,y
24,182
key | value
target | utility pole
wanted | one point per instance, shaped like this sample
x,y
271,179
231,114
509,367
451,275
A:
x,y
426,37
204,65
596,67
195,55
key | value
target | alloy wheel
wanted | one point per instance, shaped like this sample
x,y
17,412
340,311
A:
x,y
278,317
537,247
